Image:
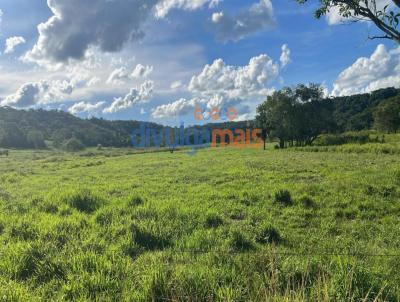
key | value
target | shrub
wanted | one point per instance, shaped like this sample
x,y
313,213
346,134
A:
x,y
73,145
283,197
83,201
268,234
213,220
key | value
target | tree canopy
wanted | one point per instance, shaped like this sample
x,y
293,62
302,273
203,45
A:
x,y
386,17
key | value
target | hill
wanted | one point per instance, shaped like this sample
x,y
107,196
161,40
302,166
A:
x,y
40,128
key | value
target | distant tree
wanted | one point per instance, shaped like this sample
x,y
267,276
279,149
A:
x,y
387,115
385,18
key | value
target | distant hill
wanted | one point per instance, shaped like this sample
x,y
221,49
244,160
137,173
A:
x,y
41,128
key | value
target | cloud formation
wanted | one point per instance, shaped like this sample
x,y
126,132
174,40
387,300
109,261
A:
x,y
12,42
235,81
135,96
380,70
85,107
222,85
122,74
165,6
285,55
77,25
260,16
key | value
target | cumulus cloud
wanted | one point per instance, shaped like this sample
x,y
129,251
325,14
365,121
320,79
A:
x,y
174,109
380,70
118,76
12,42
259,16
77,25
235,81
221,85
84,107
42,92
165,6
135,96
141,71
27,95
285,56
121,74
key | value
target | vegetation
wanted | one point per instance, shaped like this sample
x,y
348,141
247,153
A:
x,y
297,117
385,18
224,225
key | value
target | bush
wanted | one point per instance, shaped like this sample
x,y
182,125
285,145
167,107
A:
x,y
73,145
268,234
283,197
83,201
213,220
362,137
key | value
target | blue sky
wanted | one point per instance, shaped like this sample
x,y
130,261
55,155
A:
x,y
147,59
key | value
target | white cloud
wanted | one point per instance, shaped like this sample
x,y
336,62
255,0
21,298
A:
x,y
141,71
77,25
121,74
174,109
84,107
135,96
118,76
1,16
176,85
285,56
259,16
44,92
235,81
221,85
27,95
380,70
165,6
12,42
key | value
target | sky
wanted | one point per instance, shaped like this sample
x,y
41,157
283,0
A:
x,y
159,60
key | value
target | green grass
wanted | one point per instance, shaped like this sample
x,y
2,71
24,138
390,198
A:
x,y
224,225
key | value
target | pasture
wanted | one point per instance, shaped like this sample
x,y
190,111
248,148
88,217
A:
x,y
223,225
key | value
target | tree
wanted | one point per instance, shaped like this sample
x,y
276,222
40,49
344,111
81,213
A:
x,y
297,116
386,18
387,115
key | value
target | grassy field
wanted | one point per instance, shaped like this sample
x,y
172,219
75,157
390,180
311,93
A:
x,y
223,225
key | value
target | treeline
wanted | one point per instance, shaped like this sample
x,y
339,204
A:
x,y
297,116
293,115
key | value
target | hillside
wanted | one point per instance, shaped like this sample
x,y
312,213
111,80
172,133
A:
x,y
41,128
